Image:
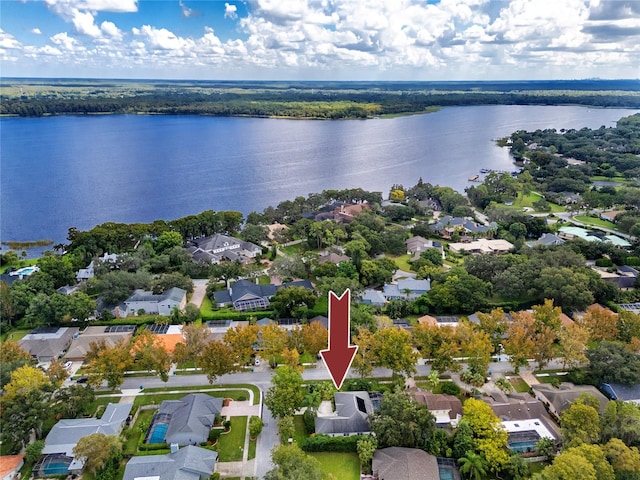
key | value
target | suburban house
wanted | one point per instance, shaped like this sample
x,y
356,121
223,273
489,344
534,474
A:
x,y
627,393
218,248
400,463
482,245
446,409
111,335
48,343
89,272
373,297
406,288
150,303
570,232
351,416
333,257
245,295
417,245
524,418
339,212
548,240
448,225
57,454
624,276
610,216
189,419
558,399
10,466
187,463
167,335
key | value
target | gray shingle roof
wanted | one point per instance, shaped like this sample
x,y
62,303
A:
x,y
399,463
176,294
192,416
351,415
66,433
188,463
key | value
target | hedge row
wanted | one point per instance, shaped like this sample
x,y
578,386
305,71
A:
x,y
326,443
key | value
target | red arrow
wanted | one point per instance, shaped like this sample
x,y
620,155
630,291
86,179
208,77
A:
x,y
339,355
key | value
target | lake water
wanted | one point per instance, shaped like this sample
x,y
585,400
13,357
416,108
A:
x,y
80,171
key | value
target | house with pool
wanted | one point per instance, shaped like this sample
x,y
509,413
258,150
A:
x,y
187,421
57,455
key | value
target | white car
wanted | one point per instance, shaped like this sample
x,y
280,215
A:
x,y
68,364
257,362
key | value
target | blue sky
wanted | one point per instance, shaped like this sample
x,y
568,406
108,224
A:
x,y
321,39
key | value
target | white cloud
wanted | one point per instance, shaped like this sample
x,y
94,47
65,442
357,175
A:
x,y
356,39
230,11
110,29
36,31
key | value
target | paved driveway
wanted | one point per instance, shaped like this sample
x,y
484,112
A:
x,y
199,291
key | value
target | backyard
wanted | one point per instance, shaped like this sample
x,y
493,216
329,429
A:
x,y
344,466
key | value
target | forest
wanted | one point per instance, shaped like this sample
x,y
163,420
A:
x,y
312,100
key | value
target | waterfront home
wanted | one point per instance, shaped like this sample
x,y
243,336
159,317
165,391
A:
x,y
245,295
219,248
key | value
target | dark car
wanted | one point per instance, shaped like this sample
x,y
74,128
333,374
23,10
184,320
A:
x,y
82,379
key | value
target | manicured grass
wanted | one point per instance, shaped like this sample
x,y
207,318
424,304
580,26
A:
x,y
134,433
345,466
299,435
252,449
292,249
206,307
19,264
402,262
523,201
230,445
519,384
14,335
230,391
595,221
101,403
157,399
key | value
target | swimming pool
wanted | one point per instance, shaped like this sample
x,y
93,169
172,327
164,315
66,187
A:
x,y
53,464
157,433
523,446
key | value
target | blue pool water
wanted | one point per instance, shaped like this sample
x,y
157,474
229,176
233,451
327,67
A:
x,y
445,473
524,446
158,432
56,468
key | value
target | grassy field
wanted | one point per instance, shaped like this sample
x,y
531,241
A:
x,y
345,466
528,200
230,445
595,221
402,262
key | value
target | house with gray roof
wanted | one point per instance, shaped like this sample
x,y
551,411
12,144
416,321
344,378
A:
x,y
245,295
187,463
558,399
618,391
65,434
447,225
154,304
190,419
372,297
406,288
549,239
48,343
81,343
401,463
351,415
219,248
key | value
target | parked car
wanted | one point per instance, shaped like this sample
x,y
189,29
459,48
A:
x,y
82,379
68,364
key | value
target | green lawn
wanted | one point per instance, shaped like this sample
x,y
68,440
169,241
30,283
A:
x,y
158,398
206,308
230,391
596,221
519,385
230,445
300,434
402,262
528,200
345,466
252,449
134,433
14,335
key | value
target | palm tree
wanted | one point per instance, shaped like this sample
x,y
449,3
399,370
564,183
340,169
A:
x,y
473,466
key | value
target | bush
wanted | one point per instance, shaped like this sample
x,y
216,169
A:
x,y
450,388
214,434
358,385
309,421
149,447
242,397
325,443
255,426
604,262
227,424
